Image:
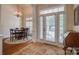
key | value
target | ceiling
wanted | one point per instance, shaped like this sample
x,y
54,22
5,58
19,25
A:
x,y
27,8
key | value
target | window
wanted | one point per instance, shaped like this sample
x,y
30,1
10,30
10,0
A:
x,y
51,10
29,24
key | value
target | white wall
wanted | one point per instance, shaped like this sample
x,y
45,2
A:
x,y
76,28
69,17
0,19
0,34
8,19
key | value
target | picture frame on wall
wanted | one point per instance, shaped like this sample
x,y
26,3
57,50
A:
x,y
76,16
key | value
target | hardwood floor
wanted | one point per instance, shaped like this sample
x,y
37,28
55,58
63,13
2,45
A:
x,y
8,49
30,48
40,49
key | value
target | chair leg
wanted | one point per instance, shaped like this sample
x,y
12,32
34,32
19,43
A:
x,y
65,50
11,38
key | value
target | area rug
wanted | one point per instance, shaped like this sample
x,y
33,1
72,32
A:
x,y
40,49
15,41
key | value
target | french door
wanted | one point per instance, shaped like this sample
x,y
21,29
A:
x,y
61,28
52,27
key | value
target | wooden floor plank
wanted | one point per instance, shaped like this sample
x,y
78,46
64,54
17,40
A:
x,y
8,49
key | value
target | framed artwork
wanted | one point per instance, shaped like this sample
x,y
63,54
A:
x,y
76,16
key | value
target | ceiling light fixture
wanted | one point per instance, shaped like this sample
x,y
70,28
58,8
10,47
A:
x,y
18,11
18,14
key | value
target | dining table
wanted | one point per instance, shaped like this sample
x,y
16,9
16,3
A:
x,y
19,33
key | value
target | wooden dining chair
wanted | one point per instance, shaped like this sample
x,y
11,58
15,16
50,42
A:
x,y
20,33
12,34
26,32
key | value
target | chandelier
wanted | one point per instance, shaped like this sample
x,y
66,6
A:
x,y
18,11
18,14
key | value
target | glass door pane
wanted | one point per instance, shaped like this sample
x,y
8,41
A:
x,y
61,28
50,28
29,26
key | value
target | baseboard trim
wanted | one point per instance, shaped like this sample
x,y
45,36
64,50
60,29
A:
x,y
51,43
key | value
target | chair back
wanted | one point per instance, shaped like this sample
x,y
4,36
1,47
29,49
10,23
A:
x,y
11,31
